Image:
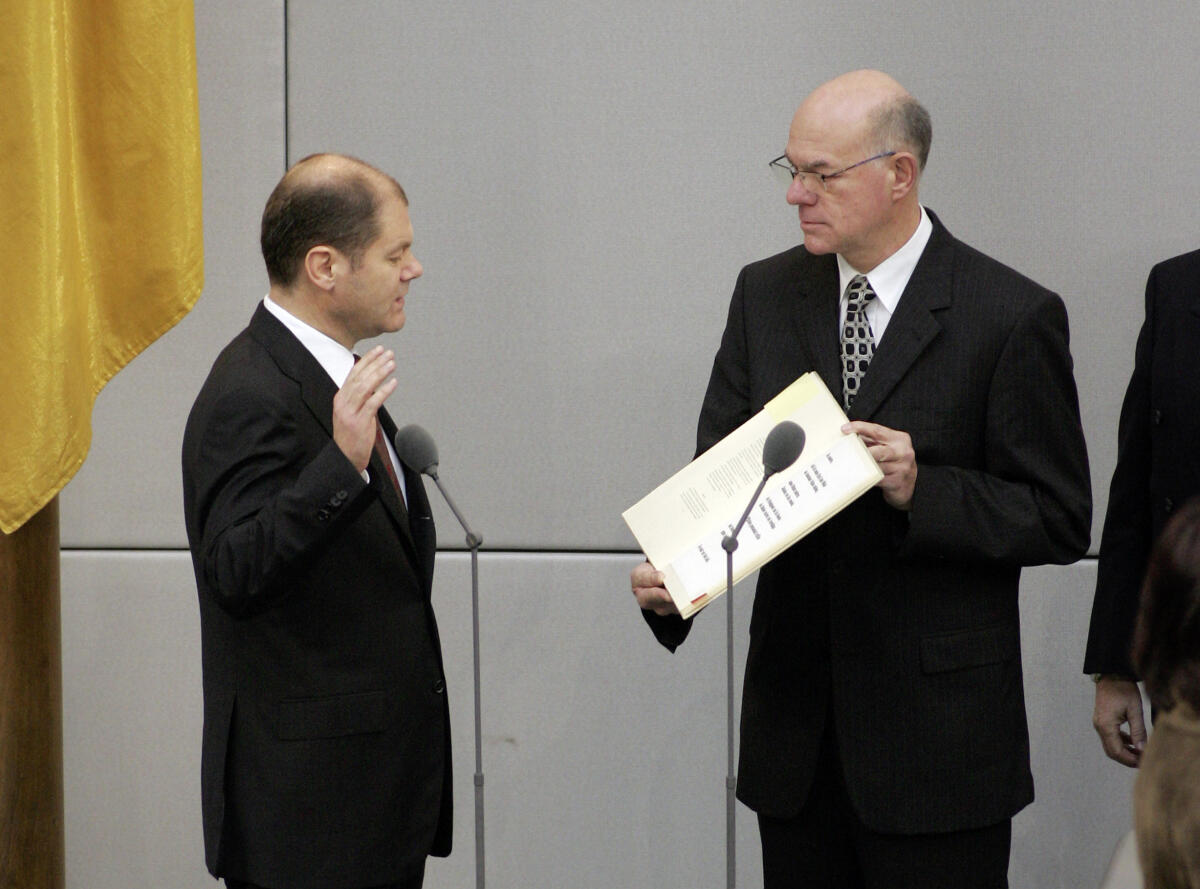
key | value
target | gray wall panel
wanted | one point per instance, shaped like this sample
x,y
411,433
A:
x,y
587,183
1064,840
131,722
128,492
604,755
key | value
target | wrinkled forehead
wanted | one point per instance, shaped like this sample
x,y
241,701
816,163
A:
x,y
818,138
831,122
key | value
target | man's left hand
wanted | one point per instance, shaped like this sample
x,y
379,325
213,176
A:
x,y
893,452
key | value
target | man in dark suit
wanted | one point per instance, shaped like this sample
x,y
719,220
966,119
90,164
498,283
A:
x,y
326,752
1155,474
883,733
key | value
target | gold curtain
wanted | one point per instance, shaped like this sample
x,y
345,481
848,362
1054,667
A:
x,y
100,218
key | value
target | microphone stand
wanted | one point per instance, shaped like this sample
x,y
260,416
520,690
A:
x,y
474,541
729,543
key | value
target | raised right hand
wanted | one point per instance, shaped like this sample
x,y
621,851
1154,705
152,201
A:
x,y
356,403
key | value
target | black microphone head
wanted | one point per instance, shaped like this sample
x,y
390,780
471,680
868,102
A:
x,y
415,447
783,445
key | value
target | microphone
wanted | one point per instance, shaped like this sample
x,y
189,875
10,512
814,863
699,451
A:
x,y
782,447
416,448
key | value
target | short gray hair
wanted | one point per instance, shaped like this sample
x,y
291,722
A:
x,y
904,123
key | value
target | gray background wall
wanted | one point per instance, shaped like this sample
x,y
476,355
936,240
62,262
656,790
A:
x,y
585,182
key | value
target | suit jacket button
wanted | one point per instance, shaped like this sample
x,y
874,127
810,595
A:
x,y
1156,418
322,514
1168,505
439,686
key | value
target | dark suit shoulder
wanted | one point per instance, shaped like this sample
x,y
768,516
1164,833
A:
x,y
1175,283
769,288
997,291
1185,266
243,375
782,268
791,258
242,356
264,362
975,265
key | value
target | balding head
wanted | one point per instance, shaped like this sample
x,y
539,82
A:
x,y
874,109
325,199
862,140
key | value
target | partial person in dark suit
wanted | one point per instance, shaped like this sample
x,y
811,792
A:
x,y
326,750
1156,473
883,731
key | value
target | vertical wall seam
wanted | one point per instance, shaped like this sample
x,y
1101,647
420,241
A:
x,y
287,98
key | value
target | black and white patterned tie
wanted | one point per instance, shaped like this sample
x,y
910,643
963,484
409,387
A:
x,y
857,343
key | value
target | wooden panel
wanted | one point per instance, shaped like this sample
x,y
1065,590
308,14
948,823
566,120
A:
x,y
31,749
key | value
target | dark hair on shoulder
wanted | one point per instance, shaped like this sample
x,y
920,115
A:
x,y
323,199
1166,644
904,123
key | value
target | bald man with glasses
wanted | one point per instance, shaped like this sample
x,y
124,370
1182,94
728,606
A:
x,y
883,733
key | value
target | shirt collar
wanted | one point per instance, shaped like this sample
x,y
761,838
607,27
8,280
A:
x,y
890,277
330,354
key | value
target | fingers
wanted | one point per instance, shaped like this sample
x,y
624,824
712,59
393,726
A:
x,y
1118,747
658,601
367,379
869,432
366,387
893,452
375,401
886,445
1137,727
1119,702
646,582
646,575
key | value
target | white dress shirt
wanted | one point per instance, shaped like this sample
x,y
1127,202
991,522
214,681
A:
x,y
888,280
337,361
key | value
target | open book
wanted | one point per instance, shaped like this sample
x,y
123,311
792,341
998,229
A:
x,y
679,524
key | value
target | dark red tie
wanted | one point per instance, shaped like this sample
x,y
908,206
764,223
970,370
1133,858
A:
x,y
382,451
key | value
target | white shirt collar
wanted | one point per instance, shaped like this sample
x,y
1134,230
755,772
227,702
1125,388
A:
x,y
890,277
330,354
337,361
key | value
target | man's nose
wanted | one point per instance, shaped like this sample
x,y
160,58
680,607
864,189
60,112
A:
x,y
798,193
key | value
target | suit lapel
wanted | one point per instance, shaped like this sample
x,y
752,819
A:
x,y
403,516
815,317
295,361
913,326
317,391
421,523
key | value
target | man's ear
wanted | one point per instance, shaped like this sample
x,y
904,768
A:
x,y
321,265
905,172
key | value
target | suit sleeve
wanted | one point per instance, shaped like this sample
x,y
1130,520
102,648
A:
x,y
264,507
1029,503
726,406
1127,536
